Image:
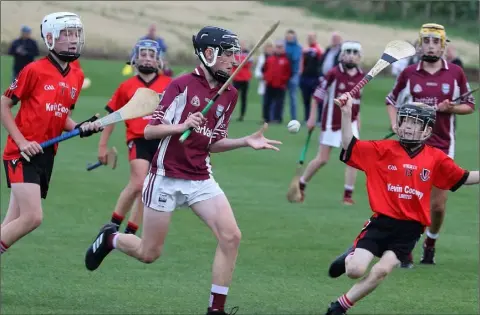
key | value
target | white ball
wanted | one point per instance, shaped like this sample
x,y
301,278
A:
x,y
293,126
86,83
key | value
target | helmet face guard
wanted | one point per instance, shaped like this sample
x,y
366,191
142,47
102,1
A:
x,y
144,48
66,30
222,42
432,31
350,48
415,123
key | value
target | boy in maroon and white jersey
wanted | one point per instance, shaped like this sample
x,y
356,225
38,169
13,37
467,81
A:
x,y
180,174
435,82
337,81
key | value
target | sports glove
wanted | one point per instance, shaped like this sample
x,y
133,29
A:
x,y
87,133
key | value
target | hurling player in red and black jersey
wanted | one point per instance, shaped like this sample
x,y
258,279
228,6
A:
x,y
147,60
47,90
434,82
400,177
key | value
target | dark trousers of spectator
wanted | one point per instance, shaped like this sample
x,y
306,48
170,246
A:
x,y
273,101
308,86
242,87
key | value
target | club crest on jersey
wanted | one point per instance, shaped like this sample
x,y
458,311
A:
x,y
195,101
219,111
341,86
73,92
417,88
424,174
445,88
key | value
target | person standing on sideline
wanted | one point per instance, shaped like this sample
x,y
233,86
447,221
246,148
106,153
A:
x,y
310,72
267,52
294,55
242,79
276,73
24,50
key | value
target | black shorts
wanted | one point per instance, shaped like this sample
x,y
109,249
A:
x,y
37,171
381,233
141,148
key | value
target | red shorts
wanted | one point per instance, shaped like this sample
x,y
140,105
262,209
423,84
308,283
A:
x,y
140,148
37,171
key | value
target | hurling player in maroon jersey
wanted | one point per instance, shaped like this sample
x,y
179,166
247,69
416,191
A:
x,y
339,79
435,82
146,59
180,174
47,90
400,176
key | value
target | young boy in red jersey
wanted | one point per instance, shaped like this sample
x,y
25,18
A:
x,y
48,90
147,61
400,176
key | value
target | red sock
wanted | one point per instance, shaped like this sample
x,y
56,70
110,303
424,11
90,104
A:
x,y
3,247
430,242
218,297
116,218
345,302
131,228
347,193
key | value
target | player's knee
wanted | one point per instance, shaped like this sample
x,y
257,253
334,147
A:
x,y
320,162
230,239
150,256
355,271
380,271
32,220
136,184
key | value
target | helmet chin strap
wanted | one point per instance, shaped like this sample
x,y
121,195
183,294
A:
x,y
65,56
349,65
430,59
146,69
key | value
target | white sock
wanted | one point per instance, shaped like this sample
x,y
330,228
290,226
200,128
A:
x,y
431,235
348,187
302,180
218,289
114,240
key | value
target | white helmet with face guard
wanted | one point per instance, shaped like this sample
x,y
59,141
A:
x,y
63,34
350,54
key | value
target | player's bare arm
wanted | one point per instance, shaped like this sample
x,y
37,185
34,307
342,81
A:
x,y
162,130
313,114
256,141
103,143
347,133
473,178
448,107
31,148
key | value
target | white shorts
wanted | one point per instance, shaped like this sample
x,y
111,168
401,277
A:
x,y
333,138
166,194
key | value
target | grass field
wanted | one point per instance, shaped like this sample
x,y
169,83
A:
x,y
285,250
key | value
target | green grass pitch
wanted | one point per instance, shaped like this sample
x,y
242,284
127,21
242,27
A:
x,y
285,250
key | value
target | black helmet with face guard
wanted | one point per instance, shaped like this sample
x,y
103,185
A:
x,y
221,41
419,112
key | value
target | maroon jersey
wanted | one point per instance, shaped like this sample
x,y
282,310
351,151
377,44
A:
x,y
47,93
336,82
415,84
186,95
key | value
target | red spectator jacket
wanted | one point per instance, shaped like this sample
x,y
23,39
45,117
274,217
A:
x,y
245,74
277,71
